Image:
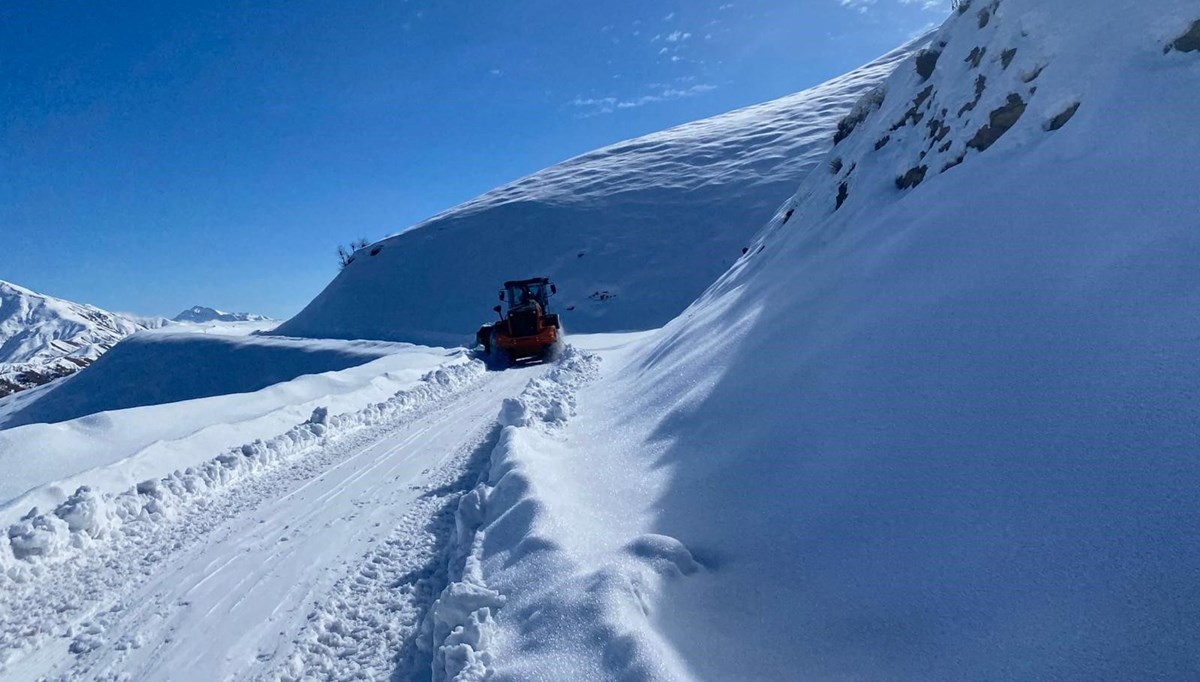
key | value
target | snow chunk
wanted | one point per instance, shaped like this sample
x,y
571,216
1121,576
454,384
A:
x,y
37,535
320,415
85,512
667,555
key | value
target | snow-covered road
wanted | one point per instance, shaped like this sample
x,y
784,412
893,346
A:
x,y
261,580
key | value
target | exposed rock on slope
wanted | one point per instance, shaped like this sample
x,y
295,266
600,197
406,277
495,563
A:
x,y
632,233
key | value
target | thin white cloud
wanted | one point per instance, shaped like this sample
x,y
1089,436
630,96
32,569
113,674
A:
x,y
860,5
595,106
926,4
863,6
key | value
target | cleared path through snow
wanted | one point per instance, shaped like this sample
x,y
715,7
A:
x,y
238,598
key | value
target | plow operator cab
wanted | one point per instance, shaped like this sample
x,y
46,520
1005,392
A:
x,y
529,330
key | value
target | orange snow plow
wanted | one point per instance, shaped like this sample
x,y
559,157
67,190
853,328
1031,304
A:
x,y
529,330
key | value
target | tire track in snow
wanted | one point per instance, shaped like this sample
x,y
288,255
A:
x,y
68,605
368,627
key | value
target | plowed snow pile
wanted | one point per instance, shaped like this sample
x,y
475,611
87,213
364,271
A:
x,y
631,233
940,425
174,400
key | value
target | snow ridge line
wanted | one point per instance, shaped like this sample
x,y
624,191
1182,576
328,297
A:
x,y
88,517
459,628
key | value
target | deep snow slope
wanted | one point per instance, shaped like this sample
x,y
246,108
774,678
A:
x,y
631,233
946,431
43,338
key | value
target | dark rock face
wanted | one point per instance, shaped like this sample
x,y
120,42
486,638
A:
x,y
1188,42
912,178
1061,120
926,62
976,57
999,123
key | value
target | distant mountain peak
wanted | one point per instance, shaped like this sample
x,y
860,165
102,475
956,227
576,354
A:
x,y
201,313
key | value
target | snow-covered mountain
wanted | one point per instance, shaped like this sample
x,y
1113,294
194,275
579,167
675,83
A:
x,y
939,425
43,338
631,233
202,314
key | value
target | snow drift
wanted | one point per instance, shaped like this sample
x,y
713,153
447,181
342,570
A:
x,y
631,233
941,424
166,367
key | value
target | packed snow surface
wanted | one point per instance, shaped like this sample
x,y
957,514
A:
x,y
631,233
43,338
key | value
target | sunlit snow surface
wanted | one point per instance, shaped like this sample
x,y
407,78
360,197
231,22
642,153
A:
x,y
941,433
631,233
941,428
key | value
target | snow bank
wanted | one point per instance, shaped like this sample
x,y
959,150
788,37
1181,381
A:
x,y
631,233
111,451
462,627
543,579
938,424
166,366
88,516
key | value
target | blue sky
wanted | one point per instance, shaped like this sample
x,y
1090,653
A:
x,y
159,155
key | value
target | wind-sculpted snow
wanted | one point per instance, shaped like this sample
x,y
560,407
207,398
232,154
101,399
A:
x,y
53,563
631,233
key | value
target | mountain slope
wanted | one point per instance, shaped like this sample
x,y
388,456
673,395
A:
x,y
631,233
43,338
944,431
